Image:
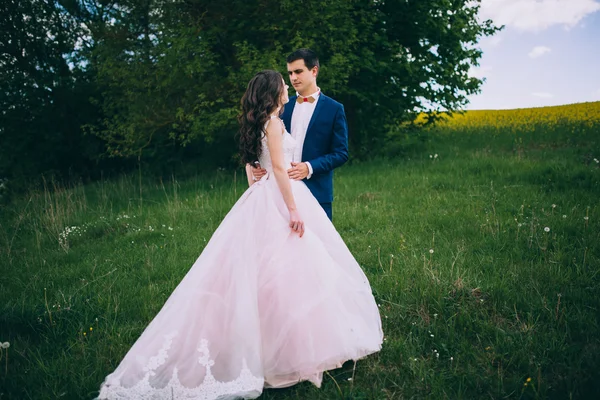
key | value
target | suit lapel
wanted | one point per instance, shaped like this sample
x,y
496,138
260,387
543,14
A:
x,y
288,111
320,105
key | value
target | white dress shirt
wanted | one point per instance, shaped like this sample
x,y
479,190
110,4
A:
x,y
300,119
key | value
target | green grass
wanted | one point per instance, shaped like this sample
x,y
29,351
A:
x,y
499,299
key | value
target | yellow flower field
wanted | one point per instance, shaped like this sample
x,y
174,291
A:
x,y
577,116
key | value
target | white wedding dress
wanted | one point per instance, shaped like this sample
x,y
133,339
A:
x,y
261,307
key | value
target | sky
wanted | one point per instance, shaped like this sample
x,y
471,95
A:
x,y
547,54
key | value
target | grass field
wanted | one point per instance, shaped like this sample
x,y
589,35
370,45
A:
x,y
483,253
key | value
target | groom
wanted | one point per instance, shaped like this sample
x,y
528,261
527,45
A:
x,y
318,123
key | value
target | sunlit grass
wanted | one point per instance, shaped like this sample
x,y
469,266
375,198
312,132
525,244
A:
x,y
484,261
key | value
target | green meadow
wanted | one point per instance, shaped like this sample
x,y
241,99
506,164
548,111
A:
x,y
482,246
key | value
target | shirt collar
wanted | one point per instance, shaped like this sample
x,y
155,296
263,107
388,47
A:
x,y
315,95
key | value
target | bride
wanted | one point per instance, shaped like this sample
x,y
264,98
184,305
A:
x,y
275,298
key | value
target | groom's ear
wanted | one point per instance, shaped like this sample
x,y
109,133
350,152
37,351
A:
x,y
315,71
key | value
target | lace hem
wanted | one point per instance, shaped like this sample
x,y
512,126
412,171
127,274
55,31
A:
x,y
245,385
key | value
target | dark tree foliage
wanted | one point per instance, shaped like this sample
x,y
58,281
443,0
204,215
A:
x,y
43,99
160,81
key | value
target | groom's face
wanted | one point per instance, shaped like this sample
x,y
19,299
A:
x,y
301,78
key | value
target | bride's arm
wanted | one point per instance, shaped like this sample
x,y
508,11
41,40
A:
x,y
275,144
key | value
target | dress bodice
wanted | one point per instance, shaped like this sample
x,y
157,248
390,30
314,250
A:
x,y
289,145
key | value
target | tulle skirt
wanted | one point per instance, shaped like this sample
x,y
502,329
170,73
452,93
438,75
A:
x,y
261,307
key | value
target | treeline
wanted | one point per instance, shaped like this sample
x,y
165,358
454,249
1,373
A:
x,y
97,86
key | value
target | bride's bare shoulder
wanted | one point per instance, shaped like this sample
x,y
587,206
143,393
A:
x,y
275,126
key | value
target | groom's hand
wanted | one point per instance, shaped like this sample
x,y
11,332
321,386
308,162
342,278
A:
x,y
258,172
298,171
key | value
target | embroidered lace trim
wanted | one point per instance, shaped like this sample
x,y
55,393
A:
x,y
209,389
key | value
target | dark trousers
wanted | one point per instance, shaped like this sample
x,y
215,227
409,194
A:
x,y
328,210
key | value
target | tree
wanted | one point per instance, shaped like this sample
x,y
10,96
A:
x,y
165,77
385,60
413,56
42,97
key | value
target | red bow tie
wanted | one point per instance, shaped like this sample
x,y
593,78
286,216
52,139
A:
x,y
301,100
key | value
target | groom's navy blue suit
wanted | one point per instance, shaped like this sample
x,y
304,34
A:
x,y
325,145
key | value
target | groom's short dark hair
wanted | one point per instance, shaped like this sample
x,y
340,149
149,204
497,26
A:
x,y
310,58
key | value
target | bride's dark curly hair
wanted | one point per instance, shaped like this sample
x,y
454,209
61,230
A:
x,y
262,98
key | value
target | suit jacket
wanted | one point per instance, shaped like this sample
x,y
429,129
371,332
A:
x,y
325,145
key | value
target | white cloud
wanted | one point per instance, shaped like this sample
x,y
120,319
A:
x,y
543,95
495,40
480,72
491,41
539,51
537,15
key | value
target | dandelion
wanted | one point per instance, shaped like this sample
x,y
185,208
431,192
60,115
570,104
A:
x,y
84,333
430,156
430,251
528,380
5,345
451,358
586,218
596,160
553,205
435,315
91,329
564,216
546,229
435,156
432,335
349,379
